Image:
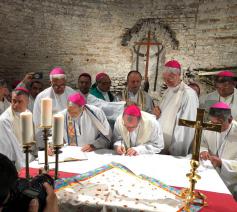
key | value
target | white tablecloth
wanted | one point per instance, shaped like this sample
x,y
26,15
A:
x,y
167,169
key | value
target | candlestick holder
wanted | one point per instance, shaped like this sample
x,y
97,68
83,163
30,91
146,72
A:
x,y
57,152
189,195
46,138
27,150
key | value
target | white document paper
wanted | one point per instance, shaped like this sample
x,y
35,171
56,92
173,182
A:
x,y
69,153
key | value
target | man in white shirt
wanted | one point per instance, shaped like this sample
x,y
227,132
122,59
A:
x,y
137,132
221,148
178,102
225,92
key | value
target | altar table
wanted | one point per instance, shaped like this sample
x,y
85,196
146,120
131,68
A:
x,y
168,169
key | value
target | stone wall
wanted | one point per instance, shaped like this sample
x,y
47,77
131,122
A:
x,y
37,35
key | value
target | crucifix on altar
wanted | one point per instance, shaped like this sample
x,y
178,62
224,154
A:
x,y
148,42
199,125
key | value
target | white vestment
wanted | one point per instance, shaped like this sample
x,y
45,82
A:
x,y
111,109
147,138
10,137
223,145
91,127
59,103
180,102
207,100
4,105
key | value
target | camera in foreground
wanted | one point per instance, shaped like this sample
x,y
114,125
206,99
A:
x,y
26,190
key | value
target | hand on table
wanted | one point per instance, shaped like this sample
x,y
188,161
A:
x,y
216,161
88,148
120,150
131,152
204,155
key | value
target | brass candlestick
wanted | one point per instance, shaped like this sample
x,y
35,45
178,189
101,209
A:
x,y
27,150
45,138
189,194
57,152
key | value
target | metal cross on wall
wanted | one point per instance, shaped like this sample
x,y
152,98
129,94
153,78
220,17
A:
x,y
148,43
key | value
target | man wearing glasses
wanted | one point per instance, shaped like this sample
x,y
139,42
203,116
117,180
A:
x,y
137,132
58,92
225,92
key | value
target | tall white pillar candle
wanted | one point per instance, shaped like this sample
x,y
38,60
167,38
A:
x,y
26,127
46,112
58,129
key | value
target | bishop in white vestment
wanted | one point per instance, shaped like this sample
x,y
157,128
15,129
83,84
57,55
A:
x,y
137,132
179,102
85,125
221,148
58,92
225,92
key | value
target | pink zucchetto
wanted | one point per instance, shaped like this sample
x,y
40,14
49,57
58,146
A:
x,y
100,76
22,89
57,73
173,66
220,105
225,74
220,110
77,99
132,110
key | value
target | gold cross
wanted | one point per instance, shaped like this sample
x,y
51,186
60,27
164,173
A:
x,y
189,194
199,125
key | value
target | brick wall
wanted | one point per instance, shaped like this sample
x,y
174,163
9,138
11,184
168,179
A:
x,y
36,35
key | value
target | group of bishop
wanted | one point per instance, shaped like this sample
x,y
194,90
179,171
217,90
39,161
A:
x,y
131,124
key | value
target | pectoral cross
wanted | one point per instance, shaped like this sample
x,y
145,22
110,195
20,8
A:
x,y
189,194
71,132
199,125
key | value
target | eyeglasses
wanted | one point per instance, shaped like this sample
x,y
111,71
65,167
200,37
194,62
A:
x,y
58,86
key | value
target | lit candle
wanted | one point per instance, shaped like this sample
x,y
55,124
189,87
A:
x,y
58,129
26,127
46,112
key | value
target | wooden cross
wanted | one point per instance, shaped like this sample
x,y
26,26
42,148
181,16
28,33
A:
x,y
199,125
148,43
